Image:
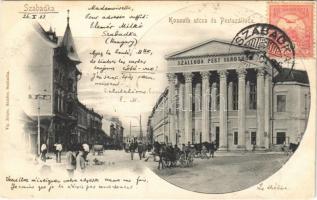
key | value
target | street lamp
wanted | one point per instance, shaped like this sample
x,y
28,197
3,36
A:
x,y
133,126
39,97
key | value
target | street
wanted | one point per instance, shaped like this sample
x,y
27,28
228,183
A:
x,y
226,172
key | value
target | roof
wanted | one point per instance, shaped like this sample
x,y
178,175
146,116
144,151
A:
x,y
26,118
164,94
292,75
208,48
66,42
49,37
90,111
69,45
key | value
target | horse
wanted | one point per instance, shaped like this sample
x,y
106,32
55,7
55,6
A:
x,y
293,147
290,149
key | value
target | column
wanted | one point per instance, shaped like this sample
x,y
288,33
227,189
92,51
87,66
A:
x,y
223,111
177,125
247,95
260,108
214,96
188,106
267,110
171,108
241,107
59,101
205,106
197,100
213,99
181,113
230,100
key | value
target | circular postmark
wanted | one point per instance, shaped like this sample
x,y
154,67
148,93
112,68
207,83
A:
x,y
272,44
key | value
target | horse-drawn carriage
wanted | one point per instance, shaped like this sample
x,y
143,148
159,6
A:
x,y
172,156
186,159
289,149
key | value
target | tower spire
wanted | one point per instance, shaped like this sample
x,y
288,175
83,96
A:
x,y
68,17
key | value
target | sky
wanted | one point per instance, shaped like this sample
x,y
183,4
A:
x,y
159,35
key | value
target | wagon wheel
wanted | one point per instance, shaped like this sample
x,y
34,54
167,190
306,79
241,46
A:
x,y
182,160
197,154
190,160
204,155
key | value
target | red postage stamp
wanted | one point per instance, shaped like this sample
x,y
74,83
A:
x,y
297,21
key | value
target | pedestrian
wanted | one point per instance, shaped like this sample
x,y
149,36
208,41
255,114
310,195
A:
x,y
162,153
140,149
253,146
149,152
212,149
58,152
86,149
80,162
43,152
70,161
204,152
177,149
144,150
131,149
183,147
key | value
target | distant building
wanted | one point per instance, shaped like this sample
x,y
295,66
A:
x,y
116,132
158,127
89,126
218,92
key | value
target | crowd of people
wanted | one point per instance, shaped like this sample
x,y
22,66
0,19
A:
x,y
164,152
76,157
138,147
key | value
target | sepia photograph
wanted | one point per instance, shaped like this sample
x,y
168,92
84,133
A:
x,y
158,100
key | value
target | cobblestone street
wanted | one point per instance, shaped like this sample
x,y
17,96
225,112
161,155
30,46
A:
x,y
226,172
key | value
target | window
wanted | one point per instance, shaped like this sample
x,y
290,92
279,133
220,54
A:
x,y
56,102
235,96
193,136
70,85
280,137
59,103
56,75
253,138
235,138
217,98
62,103
210,108
217,136
281,103
252,104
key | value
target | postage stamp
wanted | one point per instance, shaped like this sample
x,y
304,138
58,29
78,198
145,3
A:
x,y
297,21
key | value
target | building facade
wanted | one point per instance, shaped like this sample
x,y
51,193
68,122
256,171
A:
x,y
225,93
53,74
89,126
116,133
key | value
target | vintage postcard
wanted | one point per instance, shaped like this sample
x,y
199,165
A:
x,y
158,100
